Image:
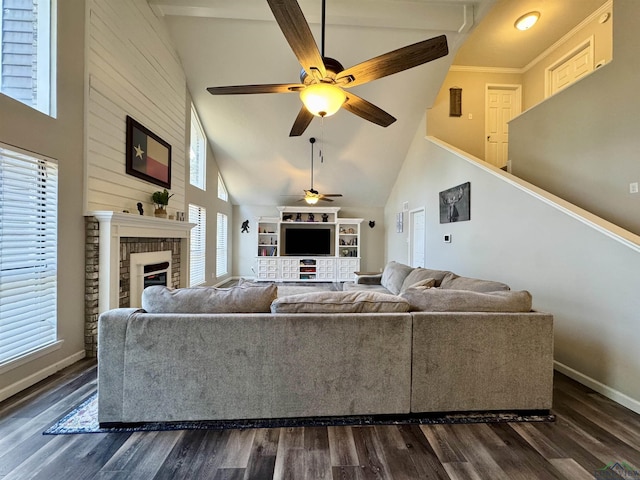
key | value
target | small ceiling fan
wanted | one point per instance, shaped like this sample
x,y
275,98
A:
x,y
323,79
312,196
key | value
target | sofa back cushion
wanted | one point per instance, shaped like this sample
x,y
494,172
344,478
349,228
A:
x,y
340,302
419,274
245,298
439,300
453,282
393,276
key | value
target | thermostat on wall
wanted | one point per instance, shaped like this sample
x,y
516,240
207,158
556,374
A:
x,y
447,238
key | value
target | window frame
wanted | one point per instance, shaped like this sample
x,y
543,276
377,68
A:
x,y
45,58
197,245
200,155
223,194
222,244
33,261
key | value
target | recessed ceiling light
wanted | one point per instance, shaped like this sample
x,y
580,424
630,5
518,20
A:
x,y
528,20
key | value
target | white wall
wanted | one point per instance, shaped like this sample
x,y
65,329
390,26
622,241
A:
x,y
245,244
133,70
59,138
588,280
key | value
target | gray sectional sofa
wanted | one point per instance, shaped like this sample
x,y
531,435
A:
x,y
327,354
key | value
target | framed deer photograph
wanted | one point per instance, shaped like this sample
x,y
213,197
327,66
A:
x,y
455,204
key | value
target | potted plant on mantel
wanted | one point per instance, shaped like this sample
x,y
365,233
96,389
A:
x,y
161,200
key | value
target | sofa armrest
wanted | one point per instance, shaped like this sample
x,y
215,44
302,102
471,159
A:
x,y
470,361
112,329
368,278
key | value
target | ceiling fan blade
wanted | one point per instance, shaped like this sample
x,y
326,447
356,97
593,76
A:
x,y
395,61
297,32
330,194
301,123
247,89
325,199
360,107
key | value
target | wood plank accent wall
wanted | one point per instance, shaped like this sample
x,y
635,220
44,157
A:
x,y
133,69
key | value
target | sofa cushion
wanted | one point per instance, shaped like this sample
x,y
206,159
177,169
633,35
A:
x,y
454,282
369,279
418,274
439,300
394,275
352,286
427,282
340,302
245,298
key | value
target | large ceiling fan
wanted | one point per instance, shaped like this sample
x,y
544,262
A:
x,y
312,196
323,79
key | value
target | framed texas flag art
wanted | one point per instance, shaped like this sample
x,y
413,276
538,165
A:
x,y
148,156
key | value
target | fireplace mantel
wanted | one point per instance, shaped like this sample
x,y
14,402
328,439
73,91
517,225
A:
x,y
113,227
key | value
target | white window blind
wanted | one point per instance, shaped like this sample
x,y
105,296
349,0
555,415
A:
x,y
28,253
221,246
197,153
197,215
222,190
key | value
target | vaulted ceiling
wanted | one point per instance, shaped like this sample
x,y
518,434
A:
x,y
230,42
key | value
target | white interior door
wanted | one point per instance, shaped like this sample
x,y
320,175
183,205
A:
x,y
571,70
417,238
503,102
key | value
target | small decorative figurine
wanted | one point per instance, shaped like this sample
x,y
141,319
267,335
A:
x,y
298,217
311,218
140,209
325,217
245,227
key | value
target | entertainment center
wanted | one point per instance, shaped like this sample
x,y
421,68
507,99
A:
x,y
308,244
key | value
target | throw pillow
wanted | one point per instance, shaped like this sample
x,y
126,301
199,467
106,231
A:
x,y
340,302
419,273
426,283
245,298
394,275
439,300
453,282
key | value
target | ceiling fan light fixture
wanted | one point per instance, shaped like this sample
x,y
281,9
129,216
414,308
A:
x,y
311,199
526,21
323,99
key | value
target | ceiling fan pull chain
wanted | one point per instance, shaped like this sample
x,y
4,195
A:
x,y
322,133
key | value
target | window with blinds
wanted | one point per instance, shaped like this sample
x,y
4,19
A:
x,y
221,246
197,153
28,253
197,274
27,50
222,189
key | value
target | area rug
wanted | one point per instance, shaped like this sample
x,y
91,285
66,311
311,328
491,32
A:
x,y
84,419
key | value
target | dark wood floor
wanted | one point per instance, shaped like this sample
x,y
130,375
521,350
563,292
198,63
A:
x,y
590,432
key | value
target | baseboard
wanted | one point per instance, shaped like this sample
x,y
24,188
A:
x,y
40,375
611,393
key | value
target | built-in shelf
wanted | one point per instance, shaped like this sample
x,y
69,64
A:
x,y
273,265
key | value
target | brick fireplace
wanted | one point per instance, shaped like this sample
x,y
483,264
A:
x,y
111,239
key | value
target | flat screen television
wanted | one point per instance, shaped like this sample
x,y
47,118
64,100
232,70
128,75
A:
x,y
312,241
